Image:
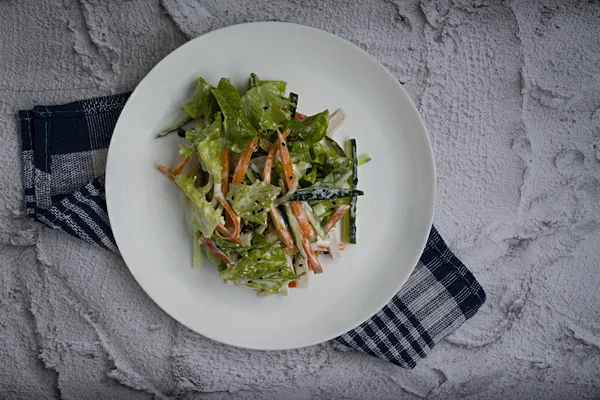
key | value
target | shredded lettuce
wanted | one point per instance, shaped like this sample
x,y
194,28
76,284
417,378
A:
x,y
299,152
263,269
210,154
204,217
251,202
238,129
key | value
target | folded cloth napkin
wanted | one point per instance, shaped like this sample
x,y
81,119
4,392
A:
x,y
64,156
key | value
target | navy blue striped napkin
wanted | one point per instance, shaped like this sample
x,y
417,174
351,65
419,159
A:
x,y
64,157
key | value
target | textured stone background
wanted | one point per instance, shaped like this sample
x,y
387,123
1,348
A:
x,y
510,93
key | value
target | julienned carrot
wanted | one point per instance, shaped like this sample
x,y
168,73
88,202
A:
x,y
336,216
242,166
300,116
225,173
320,249
216,251
226,233
269,163
286,161
290,250
279,223
292,284
274,147
306,227
223,231
165,172
313,259
179,164
235,233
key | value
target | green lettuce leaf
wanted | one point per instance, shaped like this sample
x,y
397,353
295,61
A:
x,y
210,149
187,150
311,175
299,152
310,130
221,266
210,154
263,269
320,153
203,104
251,202
254,80
232,250
238,129
263,104
204,217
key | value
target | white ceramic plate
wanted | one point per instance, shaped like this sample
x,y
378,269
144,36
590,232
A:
x,y
394,215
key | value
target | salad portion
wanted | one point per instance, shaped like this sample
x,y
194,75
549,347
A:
x,y
268,188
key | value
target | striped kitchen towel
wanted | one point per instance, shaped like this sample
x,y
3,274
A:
x,y
64,157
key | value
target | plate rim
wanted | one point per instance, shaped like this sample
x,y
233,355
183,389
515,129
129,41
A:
x,y
341,41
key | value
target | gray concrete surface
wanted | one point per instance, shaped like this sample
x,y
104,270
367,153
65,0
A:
x,y
510,93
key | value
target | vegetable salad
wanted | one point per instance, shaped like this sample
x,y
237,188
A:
x,y
267,187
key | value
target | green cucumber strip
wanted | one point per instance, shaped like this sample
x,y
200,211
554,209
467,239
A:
x,y
352,220
363,159
319,209
323,193
350,223
314,221
294,101
295,229
250,175
197,257
354,163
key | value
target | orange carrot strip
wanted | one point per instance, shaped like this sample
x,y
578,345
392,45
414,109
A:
x,y
225,173
242,166
336,216
271,157
290,250
284,234
300,116
284,155
269,163
235,233
179,164
282,231
216,251
292,284
223,231
322,249
313,259
165,172
305,226
226,233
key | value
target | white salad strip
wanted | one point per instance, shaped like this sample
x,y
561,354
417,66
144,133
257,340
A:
x,y
334,245
300,266
336,120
